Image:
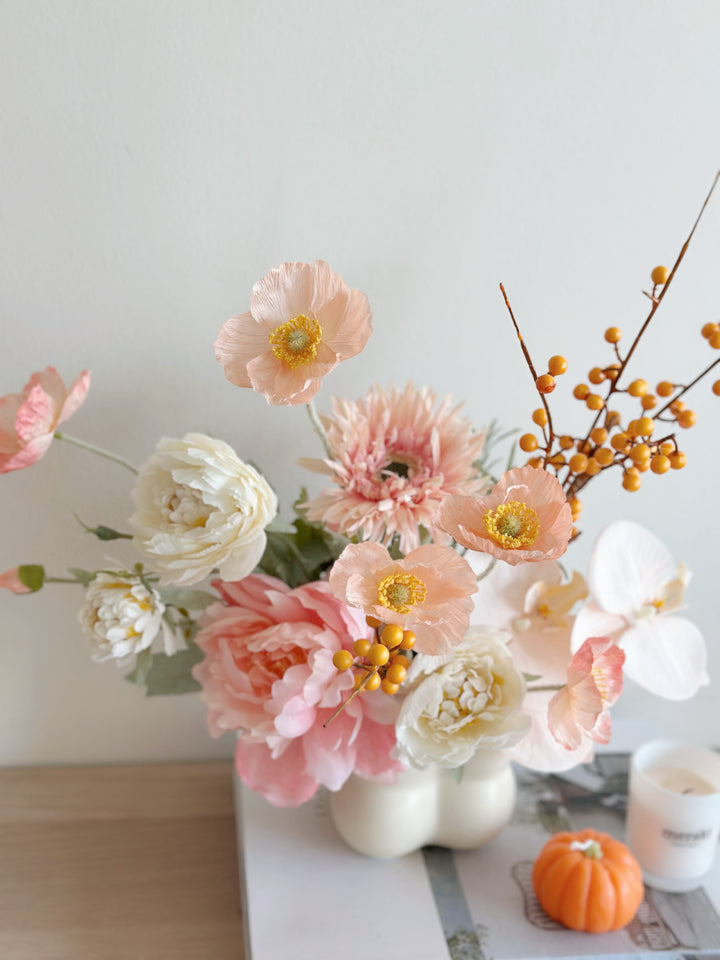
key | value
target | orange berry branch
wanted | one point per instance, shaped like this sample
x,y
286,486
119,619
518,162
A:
x,y
607,442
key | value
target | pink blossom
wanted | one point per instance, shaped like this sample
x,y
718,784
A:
x,y
303,321
10,580
29,419
525,518
268,672
594,682
429,592
395,456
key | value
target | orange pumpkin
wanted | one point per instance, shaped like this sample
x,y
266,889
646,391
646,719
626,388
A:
x,y
588,881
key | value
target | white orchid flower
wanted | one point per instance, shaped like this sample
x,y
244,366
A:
x,y
635,590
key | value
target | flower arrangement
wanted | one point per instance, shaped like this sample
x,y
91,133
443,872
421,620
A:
x,y
414,612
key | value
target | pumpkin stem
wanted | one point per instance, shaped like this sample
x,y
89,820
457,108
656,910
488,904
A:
x,y
591,848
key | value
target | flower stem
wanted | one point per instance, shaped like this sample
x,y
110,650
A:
x,y
61,580
487,571
318,427
546,688
98,450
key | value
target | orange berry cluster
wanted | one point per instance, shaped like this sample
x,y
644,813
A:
x,y
378,663
634,446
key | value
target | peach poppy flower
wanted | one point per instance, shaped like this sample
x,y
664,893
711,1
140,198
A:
x,y
581,709
29,419
429,592
525,518
303,321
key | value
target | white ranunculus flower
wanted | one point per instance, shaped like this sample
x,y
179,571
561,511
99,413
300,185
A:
x,y
470,699
121,617
199,507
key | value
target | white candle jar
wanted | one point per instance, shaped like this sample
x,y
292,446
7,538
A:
x,y
674,813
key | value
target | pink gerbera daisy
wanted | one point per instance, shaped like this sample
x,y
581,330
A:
x,y
397,455
429,592
303,321
525,518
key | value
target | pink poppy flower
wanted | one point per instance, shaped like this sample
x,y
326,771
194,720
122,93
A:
x,y
396,456
303,321
10,580
268,672
525,518
29,419
594,682
429,592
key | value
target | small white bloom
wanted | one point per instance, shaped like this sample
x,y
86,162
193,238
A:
x,y
199,507
636,588
468,700
121,617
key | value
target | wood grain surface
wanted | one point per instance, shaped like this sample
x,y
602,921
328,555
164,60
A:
x,y
128,862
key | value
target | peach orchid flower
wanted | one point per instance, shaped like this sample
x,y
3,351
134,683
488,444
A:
x,y
636,588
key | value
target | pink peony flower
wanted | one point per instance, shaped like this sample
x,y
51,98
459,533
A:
x,y
594,682
525,518
303,321
397,455
10,580
268,672
29,419
429,592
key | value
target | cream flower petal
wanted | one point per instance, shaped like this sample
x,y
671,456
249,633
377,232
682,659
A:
x,y
666,655
500,597
628,567
539,750
593,621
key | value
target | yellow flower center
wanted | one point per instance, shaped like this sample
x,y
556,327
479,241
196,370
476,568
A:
x,y
296,342
600,682
512,525
400,591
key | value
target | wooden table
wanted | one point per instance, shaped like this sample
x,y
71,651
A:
x,y
130,862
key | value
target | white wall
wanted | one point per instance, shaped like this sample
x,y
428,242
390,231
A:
x,y
159,157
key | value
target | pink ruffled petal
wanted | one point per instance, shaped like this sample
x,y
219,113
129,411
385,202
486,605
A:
x,y
283,781
76,396
240,339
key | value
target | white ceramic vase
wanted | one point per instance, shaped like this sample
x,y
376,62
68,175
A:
x,y
427,807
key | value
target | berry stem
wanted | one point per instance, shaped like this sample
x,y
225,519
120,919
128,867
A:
x,y
528,360
352,696
688,387
574,486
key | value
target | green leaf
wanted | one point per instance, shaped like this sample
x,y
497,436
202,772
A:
x,y
532,677
188,599
143,663
171,675
102,532
284,560
82,576
31,575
